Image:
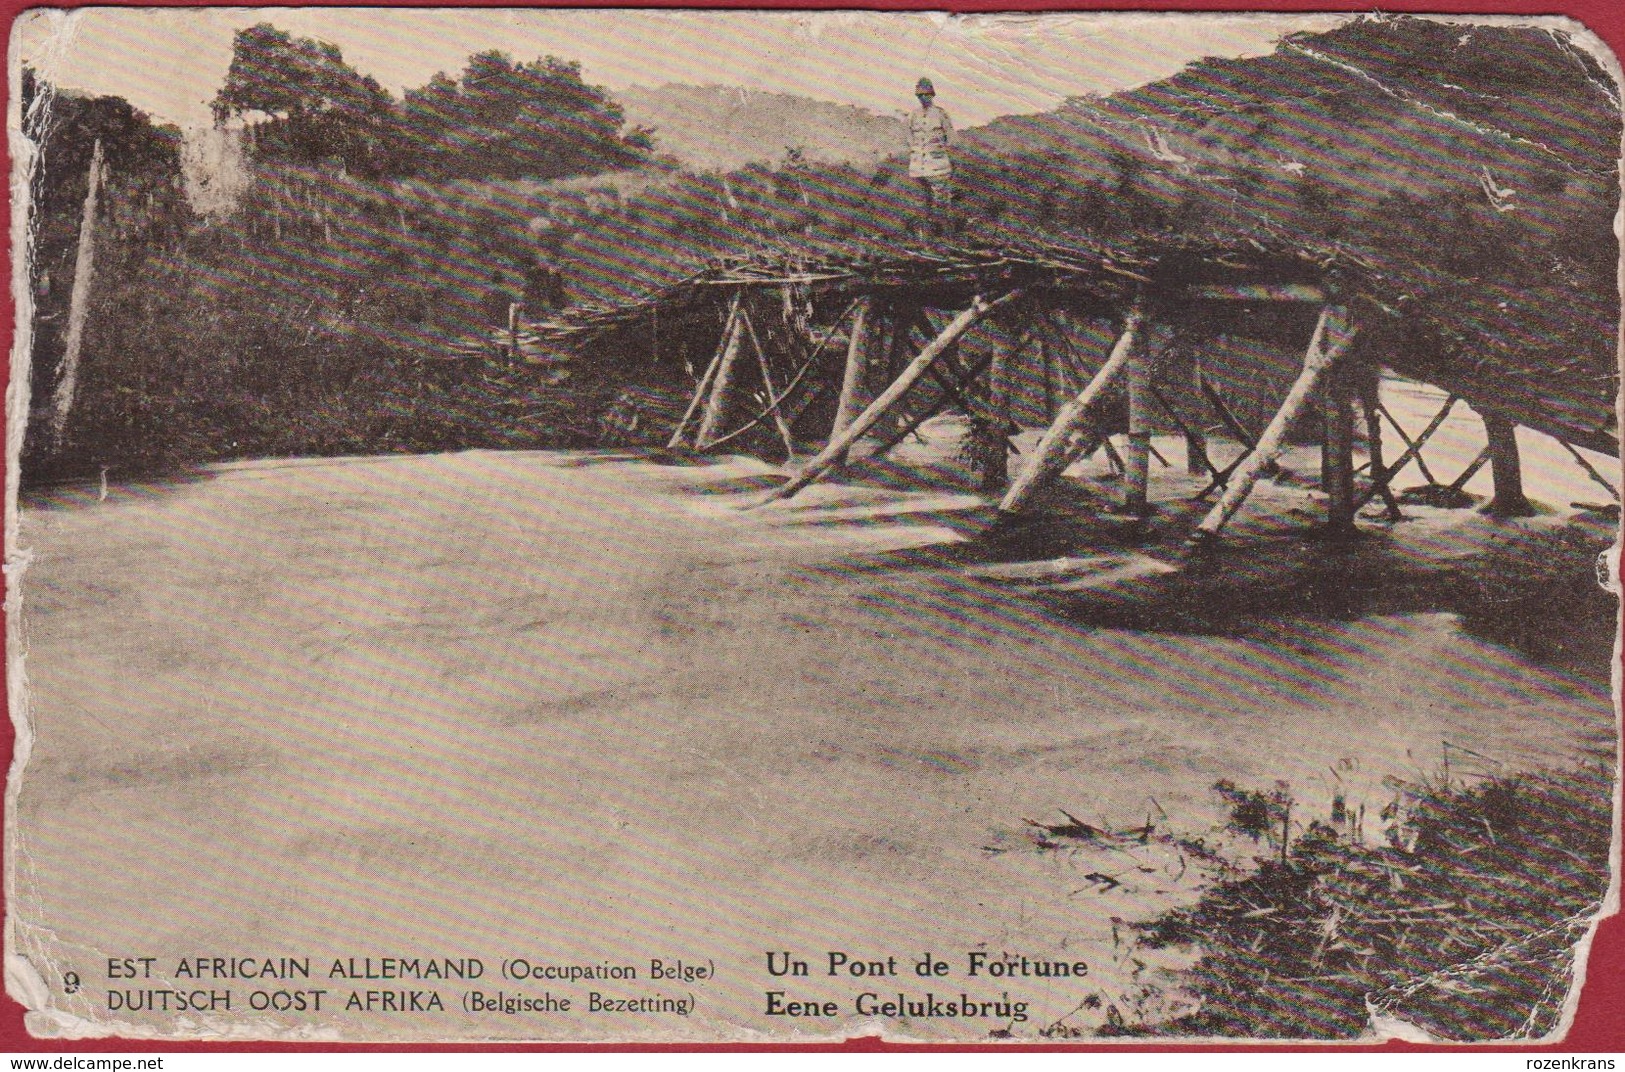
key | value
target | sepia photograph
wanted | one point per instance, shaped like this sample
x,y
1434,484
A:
x,y
764,526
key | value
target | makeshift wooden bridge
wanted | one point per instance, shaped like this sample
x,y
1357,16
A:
x,y
860,314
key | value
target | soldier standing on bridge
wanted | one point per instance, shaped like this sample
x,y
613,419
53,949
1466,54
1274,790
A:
x,y
930,133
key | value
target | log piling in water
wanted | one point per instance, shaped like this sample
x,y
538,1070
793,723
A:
x,y
1050,456
1506,466
856,368
722,388
1136,498
838,446
1331,339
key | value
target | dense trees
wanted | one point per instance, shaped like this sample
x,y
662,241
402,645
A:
x,y
142,159
499,119
503,119
306,315
318,106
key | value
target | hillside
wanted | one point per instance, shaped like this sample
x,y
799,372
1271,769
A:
x,y
1467,176
1464,180
719,127
1473,171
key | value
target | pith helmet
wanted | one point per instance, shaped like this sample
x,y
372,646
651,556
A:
x,y
924,86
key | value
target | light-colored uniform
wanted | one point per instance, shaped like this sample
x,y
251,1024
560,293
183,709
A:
x,y
930,132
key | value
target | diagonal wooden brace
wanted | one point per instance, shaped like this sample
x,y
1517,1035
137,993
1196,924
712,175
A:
x,y
722,387
1471,470
1050,456
955,391
705,381
1184,429
1221,477
773,397
937,405
1248,441
1591,470
1381,480
1421,463
1229,419
838,446
775,403
1332,337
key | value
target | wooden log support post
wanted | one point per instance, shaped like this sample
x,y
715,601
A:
x,y
1382,480
838,446
1197,462
857,366
1591,470
1507,468
995,472
704,385
771,396
1049,458
78,304
1337,451
1137,449
1370,400
1332,336
722,390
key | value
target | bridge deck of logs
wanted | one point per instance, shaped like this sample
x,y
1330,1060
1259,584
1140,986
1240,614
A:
x,y
876,317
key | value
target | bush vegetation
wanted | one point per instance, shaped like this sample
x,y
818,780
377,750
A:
x,y
1462,921
315,311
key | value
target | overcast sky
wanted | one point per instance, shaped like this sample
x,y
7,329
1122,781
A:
x,y
169,62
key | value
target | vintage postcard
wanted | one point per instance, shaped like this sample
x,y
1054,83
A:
x,y
630,525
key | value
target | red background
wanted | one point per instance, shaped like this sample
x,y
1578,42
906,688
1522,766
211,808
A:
x,y
1600,1022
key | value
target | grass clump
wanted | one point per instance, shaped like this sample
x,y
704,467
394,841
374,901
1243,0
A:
x,y
1463,921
